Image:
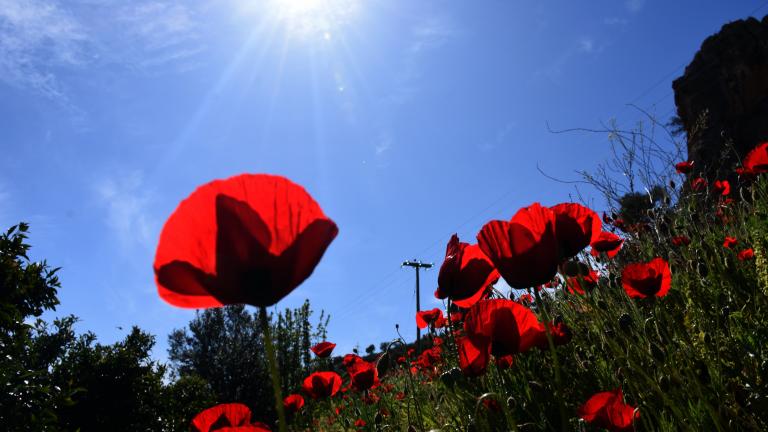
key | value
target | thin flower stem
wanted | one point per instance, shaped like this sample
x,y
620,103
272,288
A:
x,y
556,363
273,370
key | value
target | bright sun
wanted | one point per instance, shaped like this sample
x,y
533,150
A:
x,y
312,17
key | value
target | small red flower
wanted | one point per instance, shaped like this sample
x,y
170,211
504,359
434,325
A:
x,y
225,417
608,243
501,327
465,274
360,423
505,362
576,227
581,284
651,279
698,184
247,239
524,250
525,299
349,359
425,318
680,240
293,403
323,349
746,255
730,242
721,187
401,360
364,375
608,410
684,167
473,361
400,396
756,161
322,384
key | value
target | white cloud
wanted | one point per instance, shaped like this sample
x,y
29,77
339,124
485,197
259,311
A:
x,y
384,144
586,45
126,199
41,38
634,5
37,36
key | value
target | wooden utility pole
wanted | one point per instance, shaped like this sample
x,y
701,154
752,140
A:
x,y
417,265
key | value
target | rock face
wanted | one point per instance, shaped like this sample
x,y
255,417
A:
x,y
727,80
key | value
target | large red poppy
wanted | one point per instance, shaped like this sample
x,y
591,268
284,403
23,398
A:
x,y
501,326
293,403
756,161
363,375
608,243
323,349
322,384
608,410
465,273
231,416
576,227
651,279
473,361
525,249
428,317
250,239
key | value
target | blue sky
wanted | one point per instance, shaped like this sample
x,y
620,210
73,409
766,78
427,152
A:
x,y
406,120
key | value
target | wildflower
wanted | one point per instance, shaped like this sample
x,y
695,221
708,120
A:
x,y
465,274
576,227
680,240
360,423
582,283
684,167
504,362
608,243
651,279
322,384
473,361
225,416
524,250
756,161
698,184
323,349
730,242
428,317
247,239
364,375
293,403
721,187
608,410
746,255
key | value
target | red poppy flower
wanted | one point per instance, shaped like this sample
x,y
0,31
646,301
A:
x,y
698,184
225,417
247,239
505,362
400,396
681,240
293,403
465,274
756,161
500,326
363,374
360,423
576,227
684,167
525,249
730,242
349,359
322,384
721,187
323,349
641,280
401,360
581,284
746,254
525,299
425,318
473,361
608,410
608,243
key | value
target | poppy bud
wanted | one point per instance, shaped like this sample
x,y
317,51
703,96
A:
x,y
625,322
377,419
657,352
664,383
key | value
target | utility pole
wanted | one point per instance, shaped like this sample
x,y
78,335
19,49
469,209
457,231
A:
x,y
417,265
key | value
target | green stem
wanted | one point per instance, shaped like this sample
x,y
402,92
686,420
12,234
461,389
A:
x,y
555,362
273,369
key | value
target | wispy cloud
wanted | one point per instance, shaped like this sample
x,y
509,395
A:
x,y
634,5
36,37
39,39
425,36
384,144
125,199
